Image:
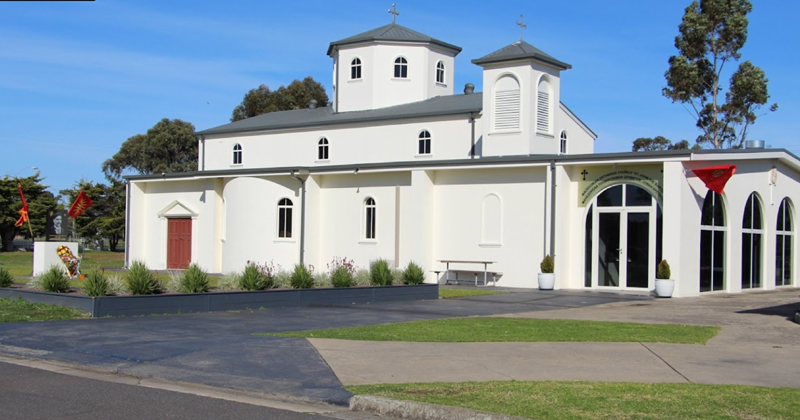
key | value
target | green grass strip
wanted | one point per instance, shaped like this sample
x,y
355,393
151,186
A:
x,y
458,293
491,329
602,400
21,310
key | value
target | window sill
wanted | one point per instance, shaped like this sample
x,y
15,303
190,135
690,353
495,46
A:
x,y
444,85
322,161
401,79
490,245
355,80
368,242
284,240
237,165
425,156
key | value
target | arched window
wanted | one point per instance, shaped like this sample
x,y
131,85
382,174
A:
x,y
563,148
712,244
369,218
237,154
355,69
424,143
752,234
543,106
491,220
400,68
783,245
506,103
322,146
440,72
285,218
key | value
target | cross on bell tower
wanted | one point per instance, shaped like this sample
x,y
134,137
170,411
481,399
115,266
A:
x,y
522,26
394,12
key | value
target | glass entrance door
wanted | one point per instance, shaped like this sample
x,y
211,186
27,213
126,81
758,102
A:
x,y
608,242
637,250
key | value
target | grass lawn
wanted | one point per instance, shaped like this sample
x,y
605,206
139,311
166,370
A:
x,y
457,293
22,311
490,329
602,400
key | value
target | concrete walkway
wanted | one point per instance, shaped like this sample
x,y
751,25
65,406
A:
x,y
758,345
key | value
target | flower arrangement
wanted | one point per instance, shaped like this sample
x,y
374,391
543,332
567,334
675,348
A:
x,y
70,261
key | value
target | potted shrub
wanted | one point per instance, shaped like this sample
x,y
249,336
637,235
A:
x,y
547,279
664,285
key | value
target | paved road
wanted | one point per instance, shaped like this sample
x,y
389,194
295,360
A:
x,y
220,350
30,394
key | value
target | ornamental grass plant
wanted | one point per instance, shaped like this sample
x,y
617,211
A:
x,y
95,284
413,274
142,281
194,280
380,274
55,281
341,277
252,278
6,279
301,278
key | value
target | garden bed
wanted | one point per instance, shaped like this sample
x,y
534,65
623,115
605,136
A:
x,y
225,301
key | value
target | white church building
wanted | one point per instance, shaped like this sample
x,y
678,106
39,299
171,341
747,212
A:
x,y
401,167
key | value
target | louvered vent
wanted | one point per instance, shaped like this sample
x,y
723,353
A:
x,y
506,109
543,112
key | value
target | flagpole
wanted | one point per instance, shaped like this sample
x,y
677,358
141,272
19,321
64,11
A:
x,y
29,227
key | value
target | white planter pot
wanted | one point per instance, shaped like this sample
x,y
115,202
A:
x,y
547,281
664,287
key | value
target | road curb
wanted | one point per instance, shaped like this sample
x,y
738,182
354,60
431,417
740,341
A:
x,y
388,407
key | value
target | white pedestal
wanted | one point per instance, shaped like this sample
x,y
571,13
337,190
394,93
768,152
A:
x,y
45,255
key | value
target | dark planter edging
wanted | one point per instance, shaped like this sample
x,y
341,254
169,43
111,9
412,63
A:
x,y
226,301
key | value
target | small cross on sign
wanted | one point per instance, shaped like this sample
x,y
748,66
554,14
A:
x,y
521,27
584,173
394,12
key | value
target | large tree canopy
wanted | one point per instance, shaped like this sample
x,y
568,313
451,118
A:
x,y
711,34
169,146
297,95
40,203
105,219
647,144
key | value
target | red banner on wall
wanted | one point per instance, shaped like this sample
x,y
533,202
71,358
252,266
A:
x,y
715,177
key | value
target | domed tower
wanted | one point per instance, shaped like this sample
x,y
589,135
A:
x,y
388,66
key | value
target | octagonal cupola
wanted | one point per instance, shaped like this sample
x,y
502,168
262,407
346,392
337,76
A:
x,y
390,65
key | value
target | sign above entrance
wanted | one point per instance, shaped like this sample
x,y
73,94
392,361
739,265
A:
x,y
594,179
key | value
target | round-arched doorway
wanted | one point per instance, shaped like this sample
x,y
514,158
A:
x,y
622,239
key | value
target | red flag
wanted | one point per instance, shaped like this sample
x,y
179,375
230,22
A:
x,y
715,177
81,203
23,212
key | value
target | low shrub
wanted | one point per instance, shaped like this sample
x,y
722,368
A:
x,y
663,271
55,281
413,274
362,278
229,281
547,265
322,280
6,279
95,284
173,284
252,278
341,277
301,278
142,281
117,285
379,273
283,279
195,280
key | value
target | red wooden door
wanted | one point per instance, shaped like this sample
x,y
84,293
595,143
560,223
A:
x,y
179,243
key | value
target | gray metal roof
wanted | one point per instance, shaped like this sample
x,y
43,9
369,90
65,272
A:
x,y
299,118
520,50
392,32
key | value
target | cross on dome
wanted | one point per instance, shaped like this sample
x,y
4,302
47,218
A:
x,y
522,26
394,12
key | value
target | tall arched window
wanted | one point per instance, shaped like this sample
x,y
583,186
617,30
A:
x,y
355,69
563,145
424,143
400,68
322,146
543,106
440,72
237,154
712,244
752,233
783,245
506,103
369,218
285,218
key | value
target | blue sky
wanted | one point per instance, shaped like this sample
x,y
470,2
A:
x,y
78,78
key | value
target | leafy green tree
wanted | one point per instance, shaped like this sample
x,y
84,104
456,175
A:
x,y
297,95
711,34
169,146
647,144
40,203
105,219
